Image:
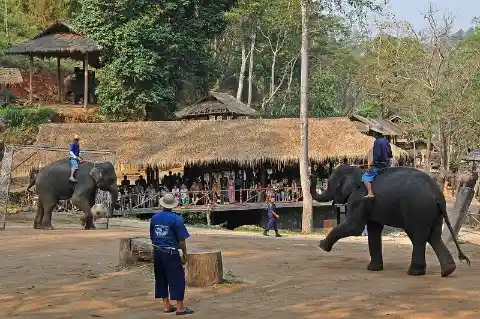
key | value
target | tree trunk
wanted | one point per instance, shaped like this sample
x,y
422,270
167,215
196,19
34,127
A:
x,y
307,215
250,70
243,67
272,75
133,250
428,153
204,268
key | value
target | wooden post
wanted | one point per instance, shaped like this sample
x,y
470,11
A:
x,y
134,250
60,82
459,212
204,268
208,214
85,92
414,154
30,96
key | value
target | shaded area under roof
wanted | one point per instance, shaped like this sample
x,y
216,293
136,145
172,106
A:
x,y
62,41
216,103
244,142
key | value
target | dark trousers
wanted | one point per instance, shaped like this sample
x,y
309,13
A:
x,y
169,276
272,224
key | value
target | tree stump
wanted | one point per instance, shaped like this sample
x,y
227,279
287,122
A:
x,y
459,212
204,268
133,250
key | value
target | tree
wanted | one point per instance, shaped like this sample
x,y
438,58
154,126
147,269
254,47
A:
x,y
152,51
307,215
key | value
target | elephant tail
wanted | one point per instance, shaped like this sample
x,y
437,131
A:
x,y
461,255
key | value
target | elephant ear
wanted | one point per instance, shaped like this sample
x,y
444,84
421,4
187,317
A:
x,y
96,173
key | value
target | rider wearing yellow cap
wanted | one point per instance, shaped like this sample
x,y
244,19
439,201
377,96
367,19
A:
x,y
74,154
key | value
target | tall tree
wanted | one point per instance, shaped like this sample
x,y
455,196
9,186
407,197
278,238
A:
x,y
153,52
307,215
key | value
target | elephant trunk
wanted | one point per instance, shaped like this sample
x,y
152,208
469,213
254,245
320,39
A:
x,y
323,197
114,194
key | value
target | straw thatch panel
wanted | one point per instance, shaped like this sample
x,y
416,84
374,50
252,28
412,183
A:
x,y
10,76
60,40
175,143
216,103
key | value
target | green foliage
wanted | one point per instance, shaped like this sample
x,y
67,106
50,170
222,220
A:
x,y
152,50
371,109
27,116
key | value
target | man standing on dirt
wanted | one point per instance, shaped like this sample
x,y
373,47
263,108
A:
x,y
272,218
74,154
168,235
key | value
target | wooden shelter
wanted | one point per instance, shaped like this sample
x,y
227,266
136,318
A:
x,y
8,76
216,106
386,127
242,142
60,41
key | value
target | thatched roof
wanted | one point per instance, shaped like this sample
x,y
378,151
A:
x,y
10,76
60,40
177,143
216,103
383,126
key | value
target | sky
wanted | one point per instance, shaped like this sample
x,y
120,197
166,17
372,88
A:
x,y
463,11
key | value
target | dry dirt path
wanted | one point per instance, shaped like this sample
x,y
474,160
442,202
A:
x,y
71,273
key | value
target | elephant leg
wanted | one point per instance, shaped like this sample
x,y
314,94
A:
x,y
349,227
375,246
419,240
37,224
48,206
84,205
447,263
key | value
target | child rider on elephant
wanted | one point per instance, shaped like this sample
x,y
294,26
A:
x,y
75,158
378,158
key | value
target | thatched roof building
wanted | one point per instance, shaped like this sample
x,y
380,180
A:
x,y
10,76
216,106
60,40
244,142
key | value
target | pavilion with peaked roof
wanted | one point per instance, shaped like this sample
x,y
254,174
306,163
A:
x,y
60,41
217,106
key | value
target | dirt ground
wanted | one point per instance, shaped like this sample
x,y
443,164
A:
x,y
72,273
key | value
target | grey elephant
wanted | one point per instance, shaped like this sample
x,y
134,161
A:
x,y
52,184
404,198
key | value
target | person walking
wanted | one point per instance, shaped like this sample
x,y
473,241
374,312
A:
x,y
272,218
168,234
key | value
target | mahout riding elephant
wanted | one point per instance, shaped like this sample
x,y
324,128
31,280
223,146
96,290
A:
x,y
464,179
404,198
53,184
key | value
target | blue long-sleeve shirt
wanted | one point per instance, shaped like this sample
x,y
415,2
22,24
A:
x,y
74,149
382,152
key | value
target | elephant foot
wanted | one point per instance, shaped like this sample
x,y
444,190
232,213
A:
x,y
375,267
323,245
37,226
448,269
92,227
48,227
416,271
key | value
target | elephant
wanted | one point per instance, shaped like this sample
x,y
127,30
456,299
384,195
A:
x,y
32,177
53,184
405,198
464,179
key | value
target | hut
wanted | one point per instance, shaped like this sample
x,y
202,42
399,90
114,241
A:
x,y
60,41
247,142
368,126
216,106
8,76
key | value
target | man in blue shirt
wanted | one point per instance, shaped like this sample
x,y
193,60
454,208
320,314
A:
x,y
168,234
272,218
379,158
74,155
